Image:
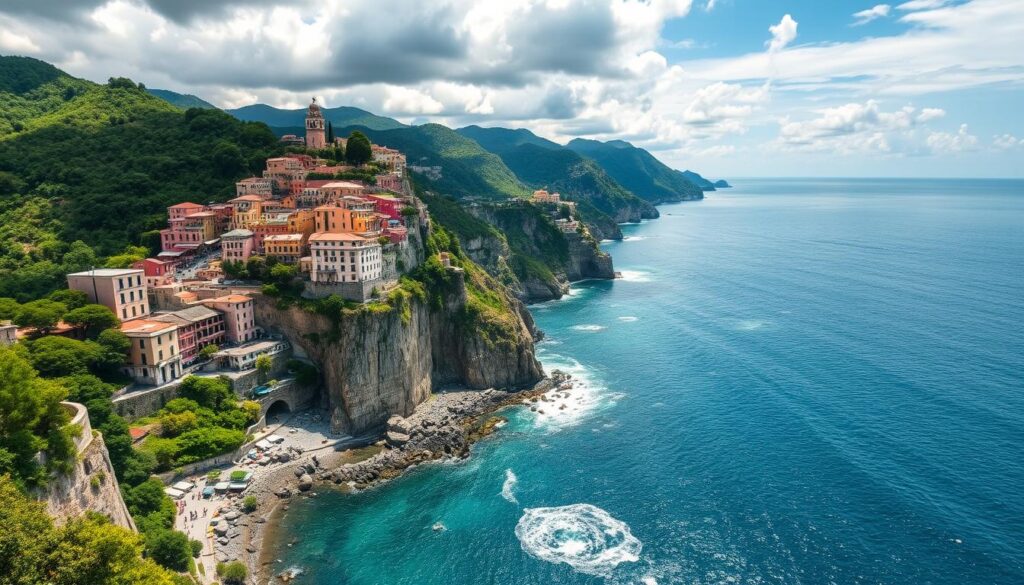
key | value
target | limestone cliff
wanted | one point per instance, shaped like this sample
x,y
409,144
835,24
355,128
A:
x,y
378,361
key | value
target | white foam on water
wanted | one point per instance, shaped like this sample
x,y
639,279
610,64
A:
x,y
583,536
649,580
751,325
508,488
633,238
628,318
566,406
589,328
635,276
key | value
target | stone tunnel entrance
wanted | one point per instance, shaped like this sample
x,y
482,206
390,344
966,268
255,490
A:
x,y
278,411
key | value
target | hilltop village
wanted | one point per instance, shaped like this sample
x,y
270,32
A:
x,y
215,388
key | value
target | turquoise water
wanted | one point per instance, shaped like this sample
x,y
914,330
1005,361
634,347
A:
x,y
814,381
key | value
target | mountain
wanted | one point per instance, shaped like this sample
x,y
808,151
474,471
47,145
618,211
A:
x,y
30,88
541,163
638,171
339,117
698,180
90,168
181,100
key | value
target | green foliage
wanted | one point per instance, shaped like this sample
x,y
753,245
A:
x,y
95,319
212,393
55,356
72,299
86,550
42,314
169,548
637,170
249,504
358,150
208,350
233,573
31,421
305,374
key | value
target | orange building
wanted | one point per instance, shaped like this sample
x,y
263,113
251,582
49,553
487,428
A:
x,y
335,219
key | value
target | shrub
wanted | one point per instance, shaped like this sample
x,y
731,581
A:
x,y
249,504
233,573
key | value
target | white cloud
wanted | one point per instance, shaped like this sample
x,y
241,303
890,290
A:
x,y
12,42
1006,142
710,5
944,142
922,5
782,33
874,13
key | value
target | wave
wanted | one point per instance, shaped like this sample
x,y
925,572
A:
x,y
635,276
508,488
570,403
582,536
628,318
751,325
591,328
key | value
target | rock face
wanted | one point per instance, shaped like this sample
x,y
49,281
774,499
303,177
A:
x,y
375,365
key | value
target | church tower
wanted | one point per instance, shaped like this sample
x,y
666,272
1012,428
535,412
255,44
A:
x,y
315,127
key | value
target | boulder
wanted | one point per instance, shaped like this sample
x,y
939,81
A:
x,y
305,483
397,439
283,493
220,528
398,424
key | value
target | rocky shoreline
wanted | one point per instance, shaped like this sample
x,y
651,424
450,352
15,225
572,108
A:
x,y
443,427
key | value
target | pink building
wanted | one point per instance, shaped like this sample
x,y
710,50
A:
x,y
236,245
239,316
182,209
276,225
389,205
158,272
198,327
315,127
261,186
390,182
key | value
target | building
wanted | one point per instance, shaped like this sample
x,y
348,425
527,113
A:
x,y
244,358
335,191
345,257
260,186
274,224
542,196
292,140
154,356
315,127
337,219
387,204
390,182
287,248
123,291
182,210
198,327
239,316
236,245
302,221
246,211
158,272
390,158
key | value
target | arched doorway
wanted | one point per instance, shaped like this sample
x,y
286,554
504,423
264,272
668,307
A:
x,y
278,412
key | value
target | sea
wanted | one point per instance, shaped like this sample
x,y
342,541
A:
x,y
794,381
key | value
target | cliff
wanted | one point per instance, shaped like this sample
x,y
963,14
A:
x,y
385,358
91,485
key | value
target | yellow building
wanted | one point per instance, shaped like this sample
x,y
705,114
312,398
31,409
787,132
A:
x,y
246,212
337,220
302,221
154,357
287,248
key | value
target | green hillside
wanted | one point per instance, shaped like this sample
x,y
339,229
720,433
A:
x,y
466,169
88,176
638,171
30,88
181,100
339,117
541,163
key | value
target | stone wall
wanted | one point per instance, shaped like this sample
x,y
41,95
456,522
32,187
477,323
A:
x,y
91,486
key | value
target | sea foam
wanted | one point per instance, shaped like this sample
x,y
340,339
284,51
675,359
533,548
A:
x,y
582,536
508,488
589,328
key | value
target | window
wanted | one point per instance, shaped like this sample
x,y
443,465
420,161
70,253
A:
x,y
160,355
133,311
122,299
142,344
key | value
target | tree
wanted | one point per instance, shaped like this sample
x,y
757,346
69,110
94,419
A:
x,y
8,308
330,133
207,392
263,365
57,356
32,420
78,257
358,150
233,573
43,314
208,350
93,318
86,550
169,548
72,299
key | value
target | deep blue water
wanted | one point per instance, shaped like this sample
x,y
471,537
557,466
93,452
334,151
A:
x,y
797,381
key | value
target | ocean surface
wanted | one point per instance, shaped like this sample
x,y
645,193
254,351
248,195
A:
x,y
796,381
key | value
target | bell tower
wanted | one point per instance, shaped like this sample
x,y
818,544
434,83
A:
x,y
315,137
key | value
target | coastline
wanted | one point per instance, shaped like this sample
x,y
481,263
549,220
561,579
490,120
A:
x,y
443,427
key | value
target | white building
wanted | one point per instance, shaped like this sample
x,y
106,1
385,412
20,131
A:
x,y
345,258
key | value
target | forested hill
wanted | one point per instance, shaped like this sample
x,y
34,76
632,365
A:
x,y
638,170
98,164
339,117
181,100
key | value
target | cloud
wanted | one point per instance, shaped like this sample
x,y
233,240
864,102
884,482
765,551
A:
x,y
866,127
922,5
944,142
710,5
782,33
1006,142
12,42
865,16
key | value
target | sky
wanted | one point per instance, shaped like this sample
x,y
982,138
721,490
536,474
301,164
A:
x,y
730,88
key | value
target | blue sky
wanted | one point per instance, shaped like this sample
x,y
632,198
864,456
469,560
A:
x,y
731,88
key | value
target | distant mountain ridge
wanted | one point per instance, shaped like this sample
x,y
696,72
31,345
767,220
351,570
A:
x,y
638,171
181,100
340,117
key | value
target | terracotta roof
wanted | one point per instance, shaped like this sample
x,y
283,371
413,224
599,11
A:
x,y
336,237
146,326
246,198
232,298
184,205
